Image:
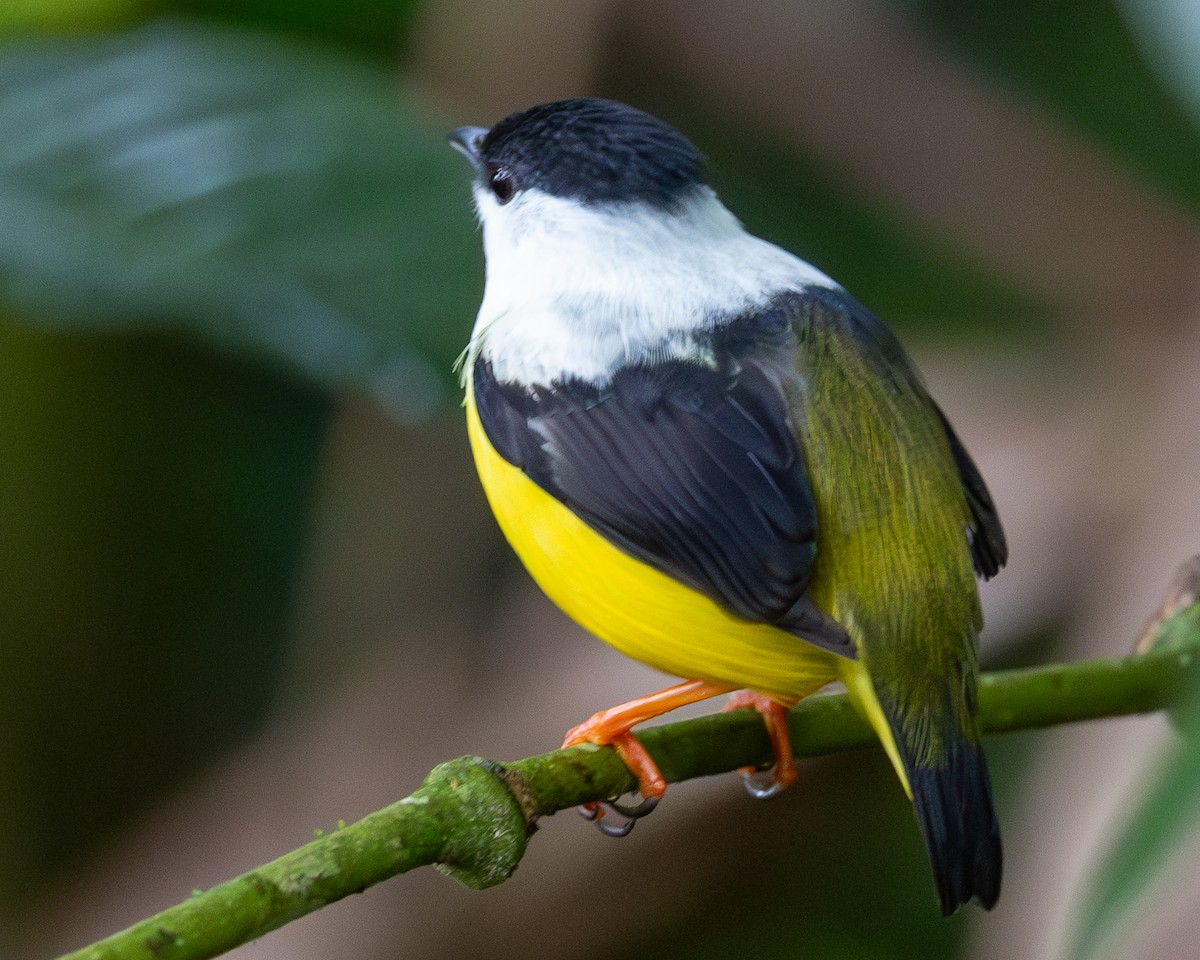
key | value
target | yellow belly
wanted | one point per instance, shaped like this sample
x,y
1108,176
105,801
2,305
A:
x,y
645,614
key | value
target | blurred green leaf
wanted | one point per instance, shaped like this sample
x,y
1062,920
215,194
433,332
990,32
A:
x,y
67,15
273,200
265,201
1079,58
1162,829
1169,33
154,508
380,26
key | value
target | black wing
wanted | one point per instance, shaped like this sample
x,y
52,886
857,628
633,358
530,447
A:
x,y
989,548
691,469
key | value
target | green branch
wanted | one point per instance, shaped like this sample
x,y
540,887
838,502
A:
x,y
471,817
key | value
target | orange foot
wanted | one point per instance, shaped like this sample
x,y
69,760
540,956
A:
x,y
613,728
783,774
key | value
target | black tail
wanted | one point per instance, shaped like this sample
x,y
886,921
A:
x,y
953,802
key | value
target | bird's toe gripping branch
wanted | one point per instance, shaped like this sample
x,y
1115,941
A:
x,y
613,728
763,784
610,817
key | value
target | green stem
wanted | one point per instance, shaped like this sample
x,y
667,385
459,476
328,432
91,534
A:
x,y
471,817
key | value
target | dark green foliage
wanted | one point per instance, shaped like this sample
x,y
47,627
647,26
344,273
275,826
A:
x,y
207,232
377,26
269,199
153,508
1078,58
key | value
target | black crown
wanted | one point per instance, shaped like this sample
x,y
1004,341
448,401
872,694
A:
x,y
596,151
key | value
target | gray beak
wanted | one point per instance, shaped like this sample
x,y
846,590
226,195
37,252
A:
x,y
467,141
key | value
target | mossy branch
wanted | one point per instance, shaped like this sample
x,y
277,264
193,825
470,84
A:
x,y
471,817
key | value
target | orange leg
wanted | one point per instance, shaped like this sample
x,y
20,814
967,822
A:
x,y
613,726
774,715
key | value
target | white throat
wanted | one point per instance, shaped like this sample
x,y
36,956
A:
x,y
579,291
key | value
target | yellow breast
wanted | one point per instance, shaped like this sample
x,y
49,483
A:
x,y
645,614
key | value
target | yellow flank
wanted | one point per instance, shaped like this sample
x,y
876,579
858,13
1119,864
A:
x,y
862,694
645,614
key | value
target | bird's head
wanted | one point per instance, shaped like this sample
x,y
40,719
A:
x,y
605,242
586,152
579,194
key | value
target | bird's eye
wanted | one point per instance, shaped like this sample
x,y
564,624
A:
x,y
501,182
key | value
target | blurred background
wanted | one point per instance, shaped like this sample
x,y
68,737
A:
x,y
249,586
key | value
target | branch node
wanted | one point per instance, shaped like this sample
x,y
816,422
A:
x,y
485,821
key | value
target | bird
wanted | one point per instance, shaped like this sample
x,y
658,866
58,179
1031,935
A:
x,y
714,458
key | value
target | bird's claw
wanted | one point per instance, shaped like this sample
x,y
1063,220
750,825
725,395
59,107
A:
x,y
761,784
622,818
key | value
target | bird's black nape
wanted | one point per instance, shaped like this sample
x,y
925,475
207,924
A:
x,y
594,151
